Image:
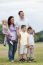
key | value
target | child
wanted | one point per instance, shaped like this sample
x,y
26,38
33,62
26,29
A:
x,y
23,35
31,43
4,30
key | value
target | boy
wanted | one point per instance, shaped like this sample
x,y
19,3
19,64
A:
x,y
31,44
23,35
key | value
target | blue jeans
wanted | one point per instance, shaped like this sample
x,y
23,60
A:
x,y
12,50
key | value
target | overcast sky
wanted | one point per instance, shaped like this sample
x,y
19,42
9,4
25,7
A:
x,y
33,10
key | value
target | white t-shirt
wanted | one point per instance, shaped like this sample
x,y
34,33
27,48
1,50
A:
x,y
22,22
31,39
24,37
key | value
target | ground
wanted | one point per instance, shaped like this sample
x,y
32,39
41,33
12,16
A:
x,y
38,56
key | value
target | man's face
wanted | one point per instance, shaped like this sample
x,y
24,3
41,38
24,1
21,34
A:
x,y
21,15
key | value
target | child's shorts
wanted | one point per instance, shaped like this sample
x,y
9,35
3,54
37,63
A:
x,y
23,49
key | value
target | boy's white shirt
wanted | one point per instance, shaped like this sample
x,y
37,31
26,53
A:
x,y
30,39
24,37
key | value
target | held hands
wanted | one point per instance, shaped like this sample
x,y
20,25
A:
x,y
27,45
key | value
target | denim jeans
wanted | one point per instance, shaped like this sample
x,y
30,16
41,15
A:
x,y
12,50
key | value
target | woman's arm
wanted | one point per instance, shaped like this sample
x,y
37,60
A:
x,y
18,33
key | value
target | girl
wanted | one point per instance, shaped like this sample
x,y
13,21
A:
x,y
4,30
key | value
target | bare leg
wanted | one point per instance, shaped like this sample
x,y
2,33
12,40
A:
x,y
31,52
25,56
5,40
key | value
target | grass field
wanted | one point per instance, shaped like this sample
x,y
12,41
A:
x,y
38,56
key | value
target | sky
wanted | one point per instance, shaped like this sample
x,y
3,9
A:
x,y
33,10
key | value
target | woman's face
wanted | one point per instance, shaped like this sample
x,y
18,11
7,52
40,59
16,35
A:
x,y
12,20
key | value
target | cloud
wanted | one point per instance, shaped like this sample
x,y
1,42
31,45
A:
x,y
33,11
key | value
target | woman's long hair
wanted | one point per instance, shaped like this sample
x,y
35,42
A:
x,y
9,21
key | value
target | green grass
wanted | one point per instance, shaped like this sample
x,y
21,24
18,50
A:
x,y
38,56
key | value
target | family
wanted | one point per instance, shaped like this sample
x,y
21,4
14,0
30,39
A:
x,y
19,35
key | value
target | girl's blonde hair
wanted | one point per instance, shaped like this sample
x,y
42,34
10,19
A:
x,y
4,22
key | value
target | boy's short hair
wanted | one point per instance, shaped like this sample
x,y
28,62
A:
x,y
23,26
29,28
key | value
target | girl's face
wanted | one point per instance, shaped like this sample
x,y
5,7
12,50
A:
x,y
12,20
4,22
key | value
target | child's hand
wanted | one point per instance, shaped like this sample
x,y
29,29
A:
x,y
4,45
27,46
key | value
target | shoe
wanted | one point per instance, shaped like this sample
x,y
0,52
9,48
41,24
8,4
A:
x,y
12,61
29,60
23,60
20,59
32,59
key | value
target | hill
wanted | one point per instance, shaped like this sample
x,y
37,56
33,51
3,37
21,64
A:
x,y
39,36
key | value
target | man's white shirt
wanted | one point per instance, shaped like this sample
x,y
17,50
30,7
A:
x,y
22,22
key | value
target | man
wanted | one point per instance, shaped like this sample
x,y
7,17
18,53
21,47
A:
x,y
22,20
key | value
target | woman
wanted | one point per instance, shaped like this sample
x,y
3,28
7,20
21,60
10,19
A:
x,y
12,38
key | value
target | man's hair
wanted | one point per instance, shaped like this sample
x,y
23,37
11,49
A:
x,y
19,12
29,28
23,26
